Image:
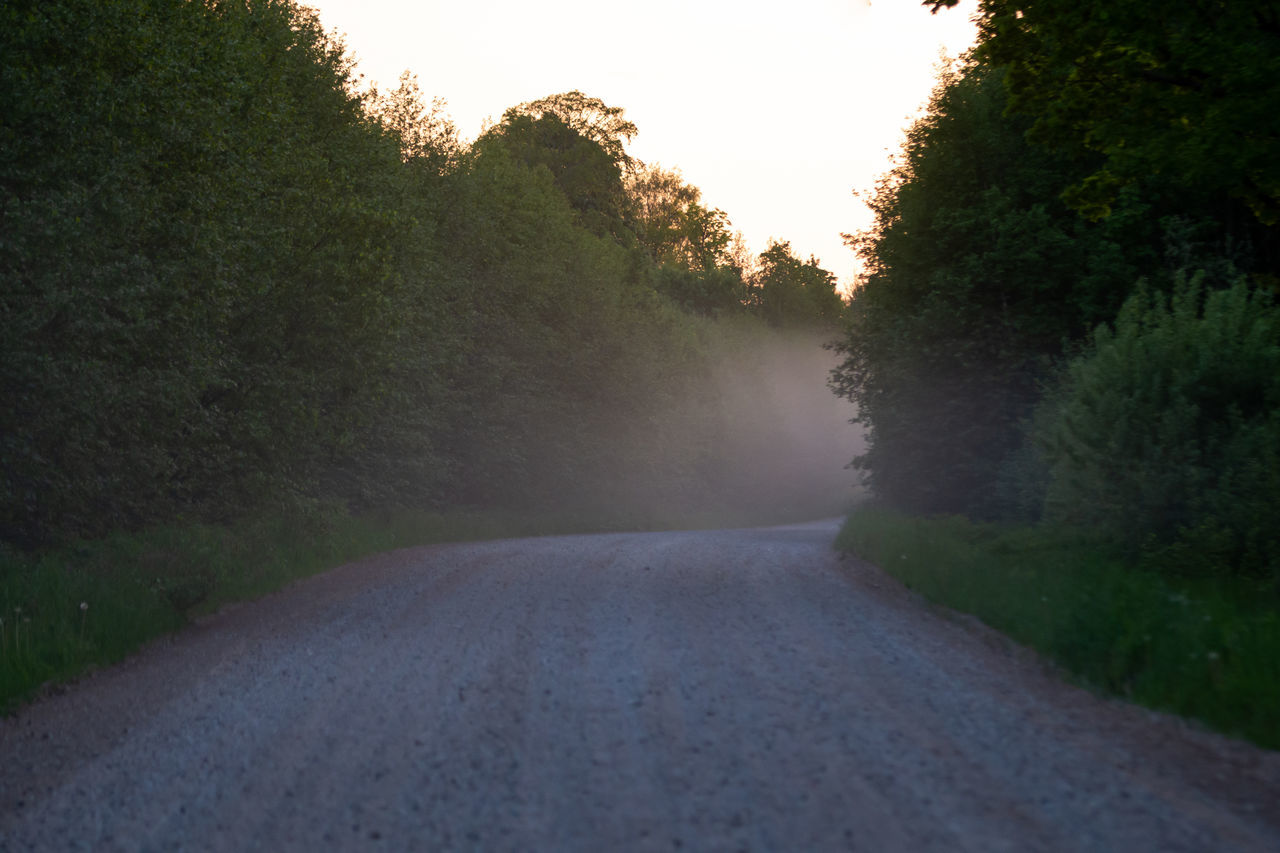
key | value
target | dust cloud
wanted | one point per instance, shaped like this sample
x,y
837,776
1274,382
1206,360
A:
x,y
787,439
750,434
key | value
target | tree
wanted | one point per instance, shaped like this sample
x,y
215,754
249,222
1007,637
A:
x,y
197,262
231,284
426,134
976,278
1191,94
582,168
591,117
671,223
789,293
1165,432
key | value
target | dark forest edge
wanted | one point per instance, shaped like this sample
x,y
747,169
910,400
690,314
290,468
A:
x,y
1066,348
258,320
1069,311
234,280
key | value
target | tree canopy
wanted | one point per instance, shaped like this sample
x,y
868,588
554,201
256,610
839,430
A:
x,y
579,140
1188,93
1083,153
591,117
233,283
976,276
671,223
789,292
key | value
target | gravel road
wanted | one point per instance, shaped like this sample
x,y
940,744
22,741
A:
x,y
723,690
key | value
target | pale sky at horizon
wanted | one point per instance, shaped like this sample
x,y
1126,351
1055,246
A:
x,y
777,116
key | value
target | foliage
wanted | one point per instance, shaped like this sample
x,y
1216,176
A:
x,y
590,181
1208,651
672,225
589,117
426,134
1154,459
714,292
686,243
976,276
232,285
790,293
548,331
579,140
1166,433
188,200
1190,93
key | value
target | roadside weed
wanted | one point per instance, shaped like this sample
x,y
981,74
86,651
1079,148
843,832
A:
x,y
1207,648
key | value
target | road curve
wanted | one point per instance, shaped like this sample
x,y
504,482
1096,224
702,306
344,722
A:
x,y
724,690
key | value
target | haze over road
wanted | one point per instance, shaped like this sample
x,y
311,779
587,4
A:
x,y
719,690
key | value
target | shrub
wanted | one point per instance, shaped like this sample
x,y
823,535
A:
x,y
1165,434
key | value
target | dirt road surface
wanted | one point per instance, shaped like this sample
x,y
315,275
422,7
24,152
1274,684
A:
x,y
725,690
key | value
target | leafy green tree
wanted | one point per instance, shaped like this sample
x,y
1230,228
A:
x,y
192,207
573,371
583,170
426,133
714,292
977,276
592,118
231,283
789,293
1165,434
1187,96
401,456
672,224
687,242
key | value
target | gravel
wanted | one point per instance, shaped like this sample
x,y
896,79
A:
x,y
720,690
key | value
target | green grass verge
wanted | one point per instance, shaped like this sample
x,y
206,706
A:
x,y
93,603
1202,648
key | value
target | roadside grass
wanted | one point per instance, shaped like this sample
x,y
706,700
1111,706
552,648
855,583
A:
x,y
91,604
1205,648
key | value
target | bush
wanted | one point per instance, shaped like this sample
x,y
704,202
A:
x,y
1166,433
196,265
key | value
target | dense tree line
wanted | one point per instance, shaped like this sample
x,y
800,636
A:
x,y
1088,166
231,281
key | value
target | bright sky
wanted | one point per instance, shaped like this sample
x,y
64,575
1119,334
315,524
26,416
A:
x,y
777,112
